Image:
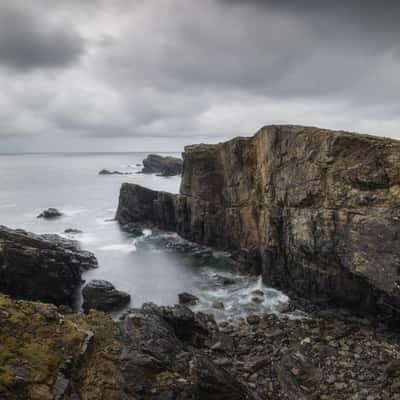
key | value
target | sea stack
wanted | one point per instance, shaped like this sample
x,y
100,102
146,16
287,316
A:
x,y
164,166
315,211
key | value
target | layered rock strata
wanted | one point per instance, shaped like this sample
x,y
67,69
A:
x,y
313,210
41,267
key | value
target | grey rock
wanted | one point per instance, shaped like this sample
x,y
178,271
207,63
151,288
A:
x,y
41,267
187,299
102,295
50,213
165,166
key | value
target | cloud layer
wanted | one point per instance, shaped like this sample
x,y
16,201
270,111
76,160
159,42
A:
x,y
158,74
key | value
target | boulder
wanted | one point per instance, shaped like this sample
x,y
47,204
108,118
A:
x,y
50,213
102,295
165,166
41,267
312,210
187,299
218,305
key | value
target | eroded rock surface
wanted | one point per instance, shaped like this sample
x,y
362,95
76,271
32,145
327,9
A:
x,y
41,267
314,211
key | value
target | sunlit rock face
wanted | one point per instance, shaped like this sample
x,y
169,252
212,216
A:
x,y
313,210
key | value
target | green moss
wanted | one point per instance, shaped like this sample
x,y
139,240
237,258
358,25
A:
x,y
35,338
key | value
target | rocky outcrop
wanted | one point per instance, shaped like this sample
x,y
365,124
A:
x,y
313,210
102,295
41,267
50,213
41,350
165,166
188,299
162,355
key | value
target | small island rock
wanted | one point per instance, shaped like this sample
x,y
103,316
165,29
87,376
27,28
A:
x,y
164,166
50,213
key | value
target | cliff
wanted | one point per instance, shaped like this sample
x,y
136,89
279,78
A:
x,y
313,210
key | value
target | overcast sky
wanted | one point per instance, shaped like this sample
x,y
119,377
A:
x,y
130,75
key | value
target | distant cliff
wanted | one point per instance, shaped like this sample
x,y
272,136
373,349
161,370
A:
x,y
314,210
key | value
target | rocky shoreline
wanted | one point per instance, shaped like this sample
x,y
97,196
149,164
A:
x,y
311,210
171,353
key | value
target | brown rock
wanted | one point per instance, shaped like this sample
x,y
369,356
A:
x,y
313,210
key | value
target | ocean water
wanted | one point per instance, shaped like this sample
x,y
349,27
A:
x,y
153,267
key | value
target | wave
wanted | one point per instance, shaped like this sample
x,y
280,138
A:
x,y
123,248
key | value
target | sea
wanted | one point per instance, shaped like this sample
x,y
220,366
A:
x,y
154,267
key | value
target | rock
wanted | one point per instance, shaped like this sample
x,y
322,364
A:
x,y
253,319
309,209
73,231
219,305
108,172
165,166
50,213
41,267
157,362
258,292
225,280
187,299
298,376
257,300
102,295
133,229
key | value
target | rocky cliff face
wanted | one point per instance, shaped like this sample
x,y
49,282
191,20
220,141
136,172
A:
x,y
41,267
313,210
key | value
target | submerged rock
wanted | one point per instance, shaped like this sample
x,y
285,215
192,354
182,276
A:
x,y
73,231
50,213
218,305
133,229
102,295
108,172
165,166
312,210
188,299
41,267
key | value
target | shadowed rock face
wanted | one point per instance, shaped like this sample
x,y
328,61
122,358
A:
x,y
41,267
314,210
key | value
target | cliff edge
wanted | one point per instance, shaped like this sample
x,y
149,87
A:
x,y
313,210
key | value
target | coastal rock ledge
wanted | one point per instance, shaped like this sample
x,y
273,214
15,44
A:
x,y
41,267
315,211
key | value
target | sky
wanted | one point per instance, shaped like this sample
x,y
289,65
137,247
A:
x,y
155,75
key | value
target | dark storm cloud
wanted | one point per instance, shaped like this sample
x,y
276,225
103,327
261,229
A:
x,y
95,70
28,39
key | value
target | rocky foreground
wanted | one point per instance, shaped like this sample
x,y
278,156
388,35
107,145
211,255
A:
x,y
314,211
171,353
